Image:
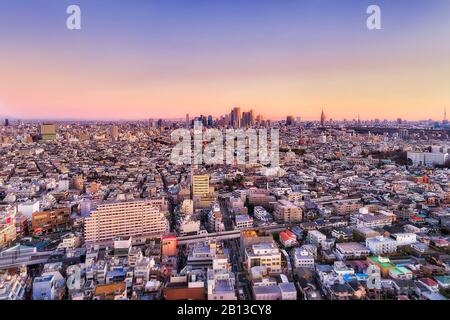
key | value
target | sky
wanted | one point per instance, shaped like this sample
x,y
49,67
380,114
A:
x,y
140,59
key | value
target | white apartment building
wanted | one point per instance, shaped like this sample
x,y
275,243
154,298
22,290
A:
x,y
428,158
404,239
381,245
373,221
124,219
215,221
221,280
303,258
316,237
351,250
261,214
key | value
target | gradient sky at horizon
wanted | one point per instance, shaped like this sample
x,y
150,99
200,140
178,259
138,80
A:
x,y
165,58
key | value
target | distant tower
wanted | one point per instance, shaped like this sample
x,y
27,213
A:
x,y
445,121
236,117
114,133
322,119
289,120
6,122
187,120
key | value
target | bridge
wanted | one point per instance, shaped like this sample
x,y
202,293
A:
x,y
225,235
19,255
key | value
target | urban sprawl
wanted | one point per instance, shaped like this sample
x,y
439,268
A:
x,y
97,211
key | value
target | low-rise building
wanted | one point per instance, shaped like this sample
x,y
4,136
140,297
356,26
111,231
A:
x,y
264,254
351,250
381,245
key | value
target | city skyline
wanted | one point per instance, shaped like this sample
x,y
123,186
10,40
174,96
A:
x,y
216,116
157,60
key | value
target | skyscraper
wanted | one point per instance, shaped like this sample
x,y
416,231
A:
x,y
6,122
187,120
236,117
445,121
289,120
114,133
322,118
251,117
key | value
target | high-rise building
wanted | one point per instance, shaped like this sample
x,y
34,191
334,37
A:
x,y
48,132
259,119
289,120
114,133
251,118
322,118
200,185
188,124
236,117
445,121
124,219
6,122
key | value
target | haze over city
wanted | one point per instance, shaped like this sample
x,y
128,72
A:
x,y
161,59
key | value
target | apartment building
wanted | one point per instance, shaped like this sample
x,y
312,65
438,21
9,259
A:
x,y
287,212
200,185
346,207
373,221
381,245
243,221
351,250
316,237
303,258
124,219
264,254
7,233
